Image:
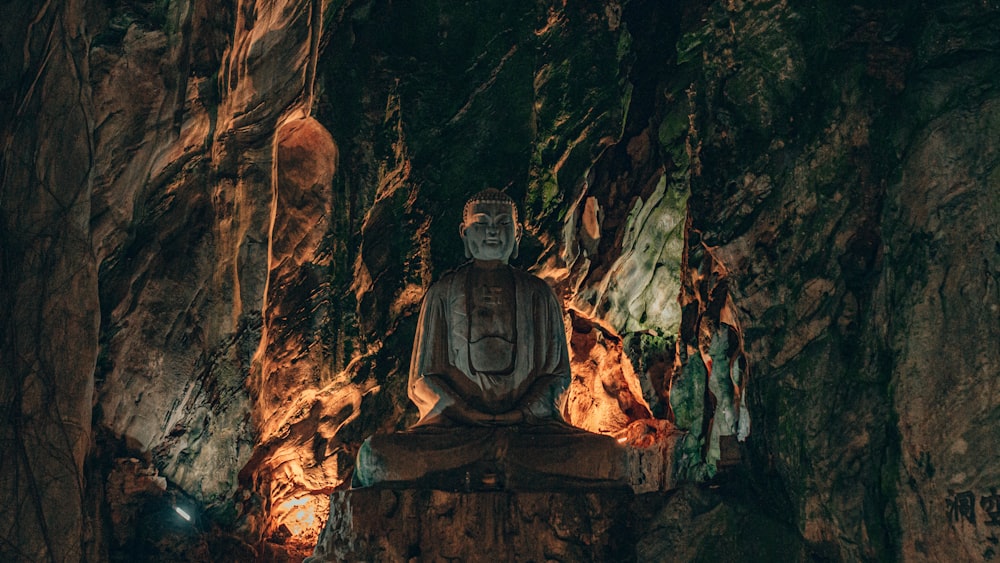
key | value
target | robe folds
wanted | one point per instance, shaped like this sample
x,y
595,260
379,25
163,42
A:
x,y
540,377
542,452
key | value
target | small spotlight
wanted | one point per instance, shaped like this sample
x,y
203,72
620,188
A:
x,y
622,440
183,514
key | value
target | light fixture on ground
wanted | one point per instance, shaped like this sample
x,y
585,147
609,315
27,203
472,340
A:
x,y
183,514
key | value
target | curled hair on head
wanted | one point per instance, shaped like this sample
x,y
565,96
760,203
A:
x,y
491,195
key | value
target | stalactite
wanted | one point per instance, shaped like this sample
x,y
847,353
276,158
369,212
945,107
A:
x,y
709,377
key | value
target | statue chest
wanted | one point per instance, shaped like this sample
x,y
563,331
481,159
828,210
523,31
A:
x,y
491,302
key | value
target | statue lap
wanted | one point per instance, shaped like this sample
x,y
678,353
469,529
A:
x,y
548,456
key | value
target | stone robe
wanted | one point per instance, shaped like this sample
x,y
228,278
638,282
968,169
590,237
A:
x,y
541,453
540,376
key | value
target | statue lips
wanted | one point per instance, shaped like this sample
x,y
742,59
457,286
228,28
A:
x,y
491,248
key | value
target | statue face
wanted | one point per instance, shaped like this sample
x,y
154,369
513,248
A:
x,y
490,232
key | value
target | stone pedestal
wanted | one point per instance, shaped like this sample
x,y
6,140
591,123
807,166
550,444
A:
x,y
718,521
379,524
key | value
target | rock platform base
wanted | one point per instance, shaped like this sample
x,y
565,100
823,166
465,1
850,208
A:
x,y
716,521
383,524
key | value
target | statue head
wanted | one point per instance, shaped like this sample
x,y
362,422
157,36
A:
x,y
489,226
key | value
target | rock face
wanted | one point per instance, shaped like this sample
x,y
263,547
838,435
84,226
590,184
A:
x,y
387,525
692,524
838,196
943,258
217,222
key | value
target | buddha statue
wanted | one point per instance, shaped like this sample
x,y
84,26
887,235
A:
x,y
489,374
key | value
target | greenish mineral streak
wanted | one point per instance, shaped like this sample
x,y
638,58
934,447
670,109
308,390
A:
x,y
720,385
581,100
687,400
687,395
689,463
638,217
691,45
672,135
743,409
545,197
645,281
699,454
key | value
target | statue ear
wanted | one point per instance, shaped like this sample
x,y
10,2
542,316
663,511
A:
x,y
465,241
517,241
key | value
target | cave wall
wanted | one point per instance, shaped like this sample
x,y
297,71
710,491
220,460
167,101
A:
x,y
218,220
50,280
847,186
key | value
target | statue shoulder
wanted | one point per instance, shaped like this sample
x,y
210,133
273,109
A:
x,y
457,275
442,287
533,282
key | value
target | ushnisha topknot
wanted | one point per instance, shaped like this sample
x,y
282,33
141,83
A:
x,y
492,195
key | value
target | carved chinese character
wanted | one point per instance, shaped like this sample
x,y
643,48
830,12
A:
x,y
991,506
961,505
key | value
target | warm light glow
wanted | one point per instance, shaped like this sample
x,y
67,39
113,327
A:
x,y
300,515
183,514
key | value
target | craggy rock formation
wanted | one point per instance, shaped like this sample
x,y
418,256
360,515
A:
x,y
849,188
217,220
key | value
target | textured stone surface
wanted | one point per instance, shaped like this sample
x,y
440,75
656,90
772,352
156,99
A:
x,y
694,523
386,525
943,273
712,523
254,313
48,302
852,199
841,164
